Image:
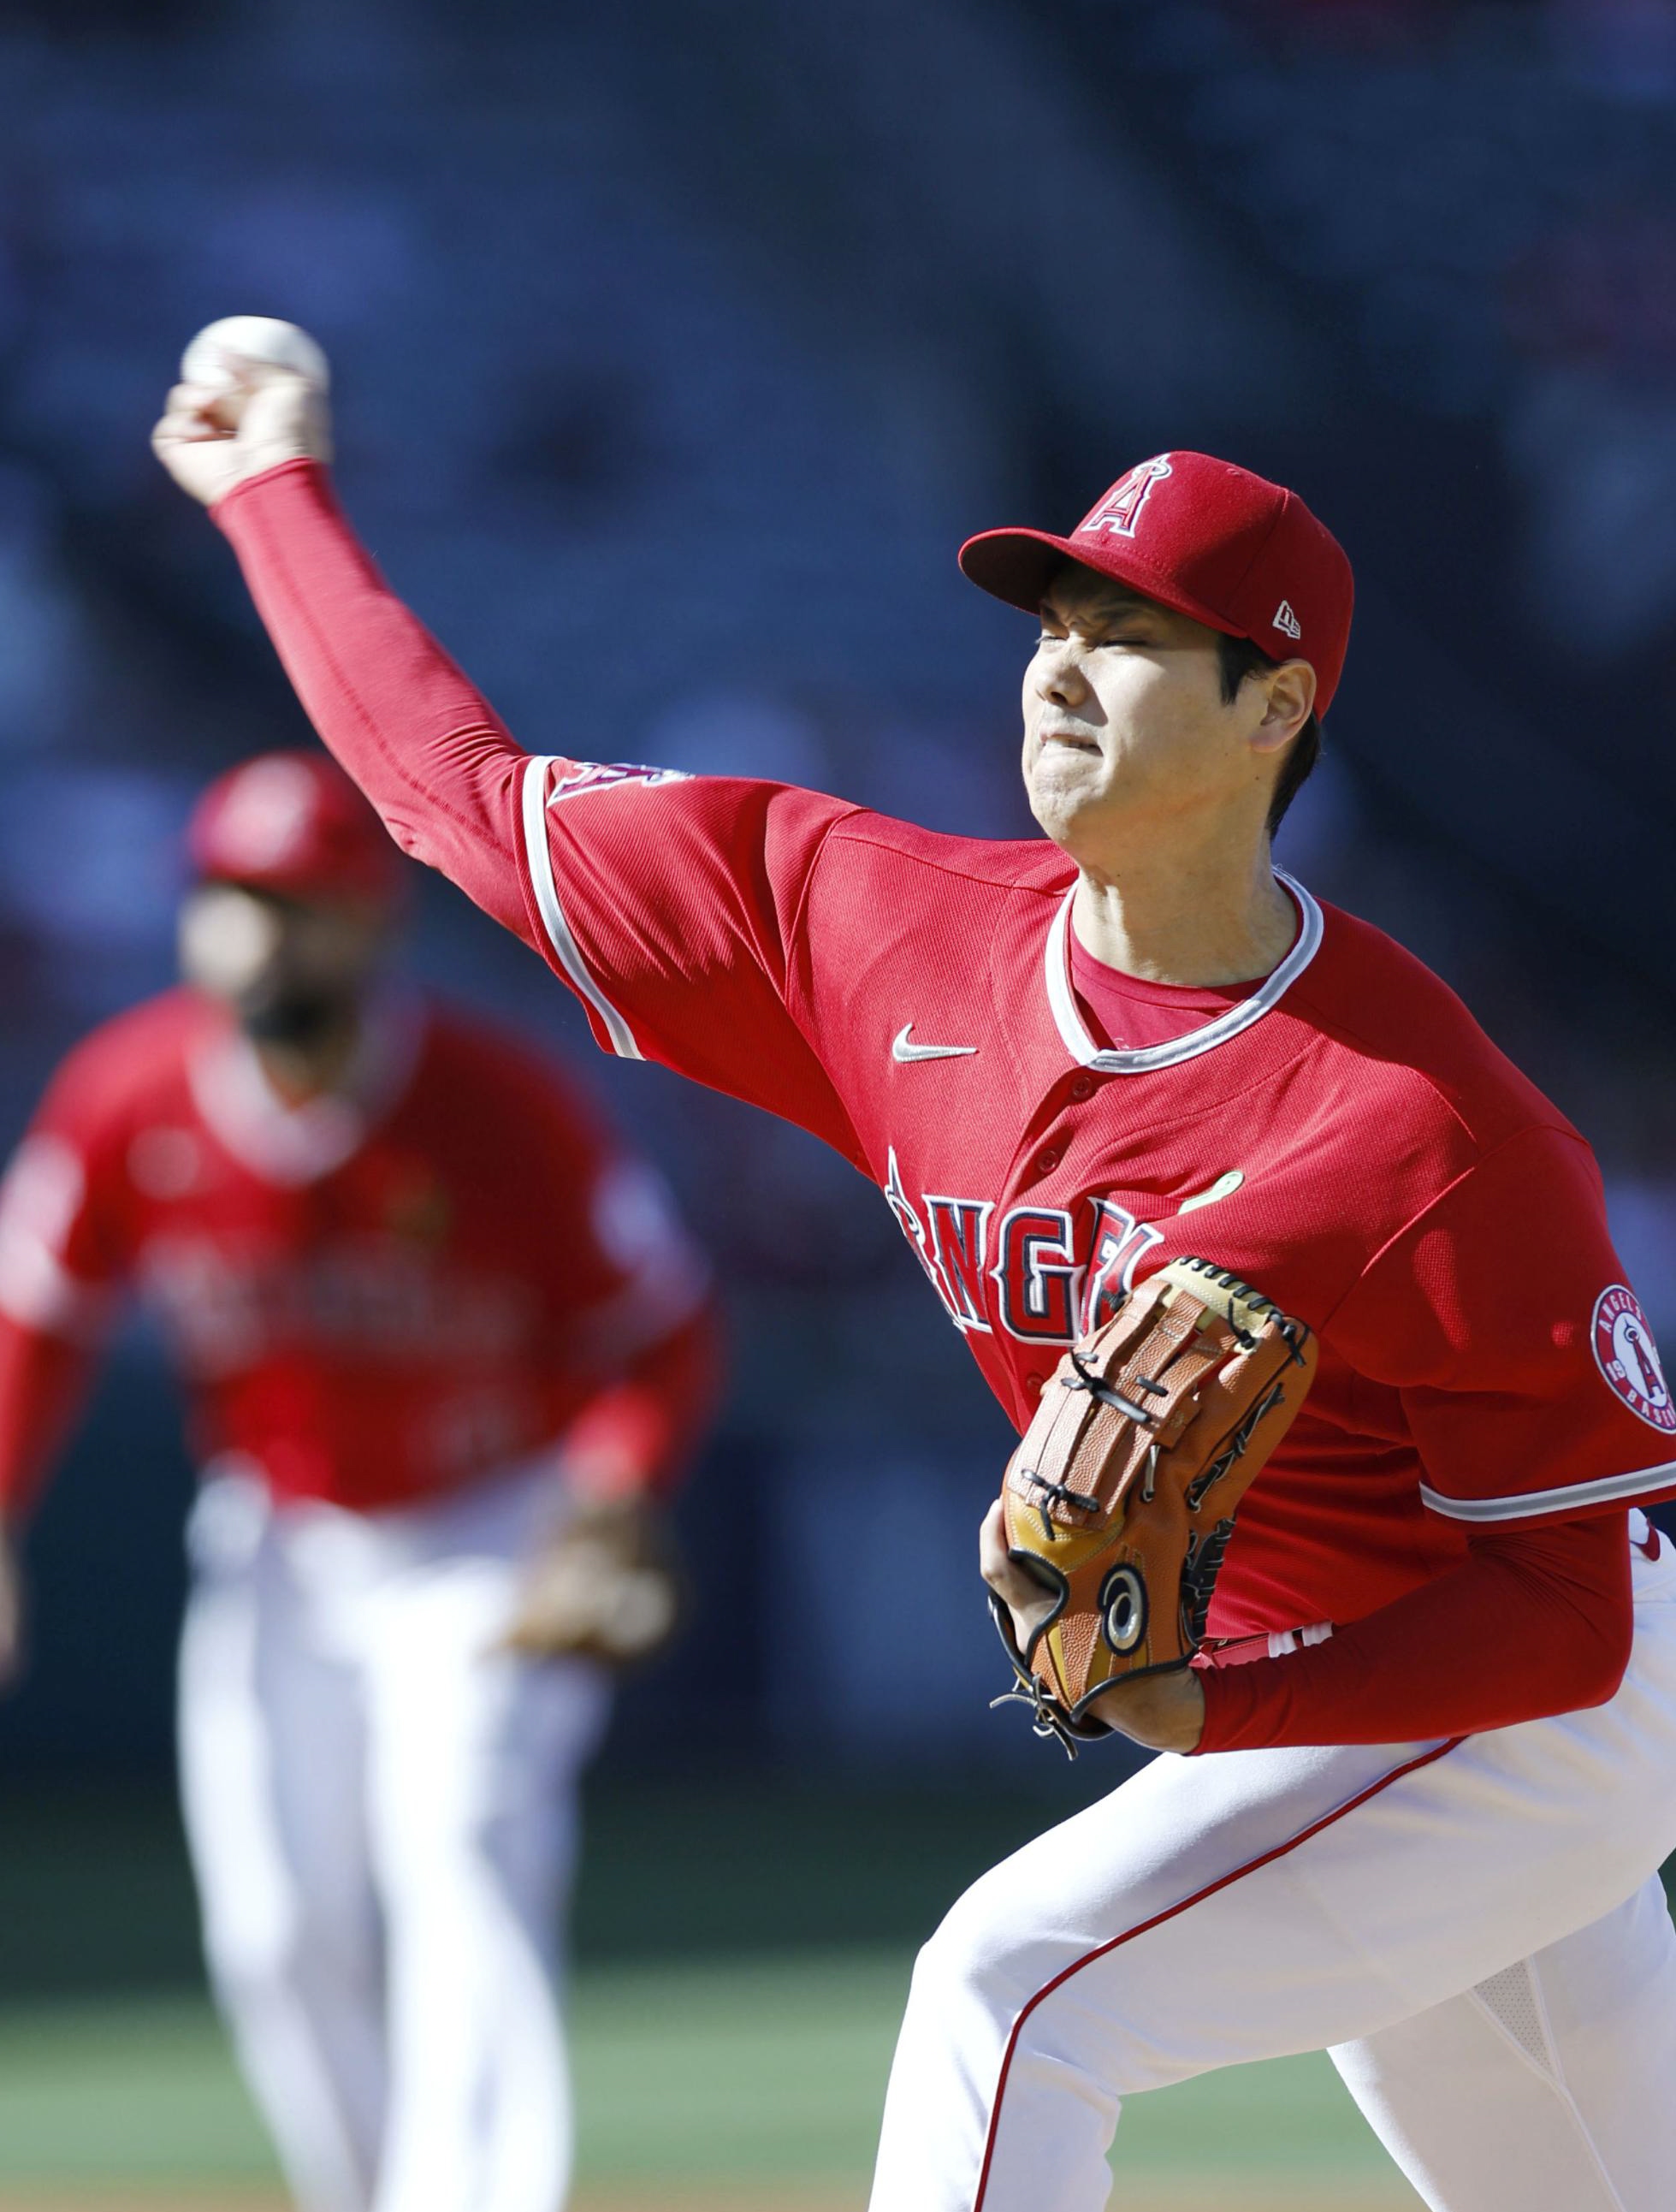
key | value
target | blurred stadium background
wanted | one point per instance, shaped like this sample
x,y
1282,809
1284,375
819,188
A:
x,y
677,348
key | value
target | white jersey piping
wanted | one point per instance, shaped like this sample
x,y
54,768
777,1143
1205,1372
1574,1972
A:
x,y
565,947
1529,1502
1143,1060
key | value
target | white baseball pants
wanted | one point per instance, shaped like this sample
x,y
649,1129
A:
x,y
380,1810
1475,1930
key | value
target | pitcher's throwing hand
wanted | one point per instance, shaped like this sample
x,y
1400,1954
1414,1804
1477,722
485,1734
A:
x,y
247,412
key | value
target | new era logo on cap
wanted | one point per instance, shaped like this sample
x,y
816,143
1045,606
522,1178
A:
x,y
1229,548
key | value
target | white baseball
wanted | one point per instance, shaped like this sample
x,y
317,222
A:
x,y
213,357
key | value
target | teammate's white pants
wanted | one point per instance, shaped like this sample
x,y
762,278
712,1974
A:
x,y
1476,1930
380,1810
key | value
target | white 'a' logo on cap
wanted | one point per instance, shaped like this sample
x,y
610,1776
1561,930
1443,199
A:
x,y
267,813
1119,510
1285,619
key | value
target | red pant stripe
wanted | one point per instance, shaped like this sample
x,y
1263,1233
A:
x,y
1170,1912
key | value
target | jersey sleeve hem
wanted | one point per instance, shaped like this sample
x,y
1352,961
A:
x,y
549,911
1639,1487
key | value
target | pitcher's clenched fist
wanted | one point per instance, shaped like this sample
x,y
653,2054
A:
x,y
257,413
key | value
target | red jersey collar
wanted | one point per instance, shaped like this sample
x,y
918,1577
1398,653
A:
x,y
1143,1060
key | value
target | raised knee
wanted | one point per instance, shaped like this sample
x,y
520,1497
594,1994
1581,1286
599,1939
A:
x,y
1094,2040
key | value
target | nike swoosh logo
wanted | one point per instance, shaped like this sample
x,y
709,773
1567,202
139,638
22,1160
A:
x,y
1223,1187
903,1050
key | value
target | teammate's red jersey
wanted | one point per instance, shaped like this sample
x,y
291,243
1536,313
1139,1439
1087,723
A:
x,y
373,1297
1343,1135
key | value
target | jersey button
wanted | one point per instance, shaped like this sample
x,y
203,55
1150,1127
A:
x,y
1035,1384
1048,1161
1083,1087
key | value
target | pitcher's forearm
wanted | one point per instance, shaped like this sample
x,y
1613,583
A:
x,y
425,746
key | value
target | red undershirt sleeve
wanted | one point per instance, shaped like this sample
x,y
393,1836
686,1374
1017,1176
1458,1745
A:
x,y
1532,1622
422,743
671,905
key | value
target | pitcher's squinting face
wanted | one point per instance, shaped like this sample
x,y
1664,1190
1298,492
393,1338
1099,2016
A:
x,y
1125,720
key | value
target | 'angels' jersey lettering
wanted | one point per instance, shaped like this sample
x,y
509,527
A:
x,y
960,1240
578,776
1056,1281
1037,1276
1400,1184
1121,1243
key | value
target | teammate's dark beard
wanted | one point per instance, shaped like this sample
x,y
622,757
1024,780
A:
x,y
295,1014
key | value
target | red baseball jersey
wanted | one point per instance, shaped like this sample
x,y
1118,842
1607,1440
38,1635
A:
x,y
374,1297
1342,1133
1344,1136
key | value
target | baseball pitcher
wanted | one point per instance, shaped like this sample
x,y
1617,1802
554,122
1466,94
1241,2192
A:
x,y
1225,1191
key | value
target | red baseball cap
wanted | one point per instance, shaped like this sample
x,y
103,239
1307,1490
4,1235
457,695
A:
x,y
1234,552
292,822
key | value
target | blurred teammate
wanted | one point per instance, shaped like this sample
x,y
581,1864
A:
x,y
445,1349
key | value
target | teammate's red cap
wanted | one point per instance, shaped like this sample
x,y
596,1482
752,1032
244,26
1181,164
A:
x,y
1230,549
292,822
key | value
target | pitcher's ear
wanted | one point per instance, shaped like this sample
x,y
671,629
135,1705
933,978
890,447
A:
x,y
1291,702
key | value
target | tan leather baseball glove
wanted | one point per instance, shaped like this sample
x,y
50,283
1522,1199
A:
x,y
608,1586
1121,1498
